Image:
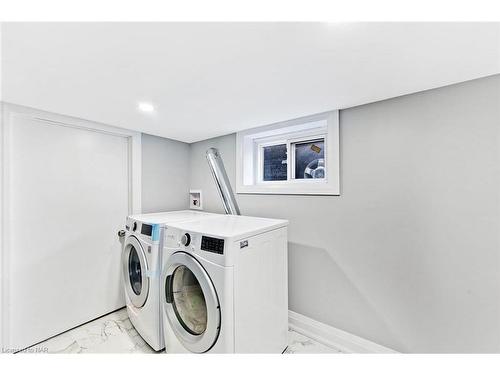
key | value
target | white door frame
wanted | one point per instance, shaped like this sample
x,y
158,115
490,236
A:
x,y
8,111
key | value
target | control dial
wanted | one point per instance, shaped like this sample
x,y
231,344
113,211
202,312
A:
x,y
186,239
134,226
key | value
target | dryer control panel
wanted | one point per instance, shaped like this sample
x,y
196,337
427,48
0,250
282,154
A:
x,y
213,245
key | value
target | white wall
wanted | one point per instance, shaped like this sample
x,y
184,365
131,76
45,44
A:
x,y
409,255
165,174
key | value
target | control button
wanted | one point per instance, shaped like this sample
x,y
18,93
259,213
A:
x,y
186,239
134,227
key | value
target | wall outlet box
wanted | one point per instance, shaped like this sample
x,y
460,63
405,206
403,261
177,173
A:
x,y
195,202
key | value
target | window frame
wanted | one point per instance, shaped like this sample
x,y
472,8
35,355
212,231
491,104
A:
x,y
249,156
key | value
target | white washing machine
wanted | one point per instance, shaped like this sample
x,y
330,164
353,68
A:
x,y
141,263
224,286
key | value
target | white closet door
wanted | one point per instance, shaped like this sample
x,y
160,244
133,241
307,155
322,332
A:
x,y
69,192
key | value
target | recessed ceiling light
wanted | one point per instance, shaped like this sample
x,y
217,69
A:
x,y
146,107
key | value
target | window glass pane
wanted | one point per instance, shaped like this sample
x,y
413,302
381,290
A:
x,y
310,159
274,168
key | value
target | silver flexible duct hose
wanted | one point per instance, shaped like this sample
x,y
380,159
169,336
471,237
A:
x,y
222,181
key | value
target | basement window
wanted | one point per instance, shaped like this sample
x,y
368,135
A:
x,y
294,157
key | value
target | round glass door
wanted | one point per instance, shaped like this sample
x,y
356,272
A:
x,y
135,271
188,301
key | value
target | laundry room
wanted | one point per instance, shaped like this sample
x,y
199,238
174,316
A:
x,y
249,187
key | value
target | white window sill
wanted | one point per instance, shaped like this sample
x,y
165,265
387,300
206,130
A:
x,y
287,190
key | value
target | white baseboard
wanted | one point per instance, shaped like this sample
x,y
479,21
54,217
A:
x,y
333,337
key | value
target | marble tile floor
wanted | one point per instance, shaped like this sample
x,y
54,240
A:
x,y
114,333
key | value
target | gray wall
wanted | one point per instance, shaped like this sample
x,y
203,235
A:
x,y
408,256
165,175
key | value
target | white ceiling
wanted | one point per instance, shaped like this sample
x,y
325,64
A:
x,y
210,79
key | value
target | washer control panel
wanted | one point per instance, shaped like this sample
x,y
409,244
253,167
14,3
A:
x,y
213,245
146,229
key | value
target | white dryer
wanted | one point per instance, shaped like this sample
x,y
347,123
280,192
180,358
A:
x,y
141,264
224,286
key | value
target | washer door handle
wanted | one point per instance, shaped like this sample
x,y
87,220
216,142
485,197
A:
x,y
169,294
